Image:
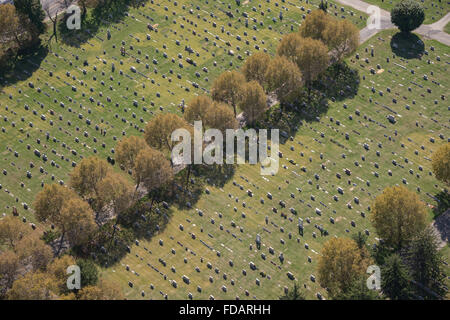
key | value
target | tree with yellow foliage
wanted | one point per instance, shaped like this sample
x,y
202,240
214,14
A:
x,y
77,222
152,169
85,176
441,163
342,38
315,25
12,230
34,286
158,132
127,149
198,109
255,67
284,78
253,101
398,215
58,270
227,88
312,59
9,265
34,252
220,117
105,290
49,202
341,262
116,190
289,45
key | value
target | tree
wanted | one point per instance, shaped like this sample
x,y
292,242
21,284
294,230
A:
x,y
12,230
293,294
35,252
158,132
341,262
53,18
441,163
426,264
84,178
33,286
32,9
152,169
289,45
315,25
398,215
116,190
49,202
106,290
312,59
221,117
89,272
395,278
342,38
284,78
198,109
253,101
77,222
255,67
10,29
227,88
358,290
127,149
9,265
57,269
407,15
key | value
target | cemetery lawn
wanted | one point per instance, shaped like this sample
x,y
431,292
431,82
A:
x,y
434,10
447,28
42,86
397,142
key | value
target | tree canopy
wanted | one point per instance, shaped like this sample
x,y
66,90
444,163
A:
x,y
441,163
407,15
398,215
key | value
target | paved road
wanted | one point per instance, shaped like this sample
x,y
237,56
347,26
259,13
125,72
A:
x,y
55,6
433,31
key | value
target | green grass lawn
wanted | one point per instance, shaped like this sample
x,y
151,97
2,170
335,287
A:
x,y
447,28
408,142
434,10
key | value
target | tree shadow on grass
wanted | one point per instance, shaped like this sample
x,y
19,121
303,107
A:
x,y
337,83
101,16
407,45
27,63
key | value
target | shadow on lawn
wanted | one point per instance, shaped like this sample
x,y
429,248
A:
x,y
339,82
407,45
112,12
26,64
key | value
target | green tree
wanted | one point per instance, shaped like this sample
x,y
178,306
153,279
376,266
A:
x,y
358,290
407,15
31,9
89,272
426,264
395,278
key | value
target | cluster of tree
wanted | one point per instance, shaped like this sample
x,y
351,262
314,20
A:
x,y
28,269
301,57
408,254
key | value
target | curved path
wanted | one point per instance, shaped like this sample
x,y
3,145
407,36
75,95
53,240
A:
x,y
433,31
